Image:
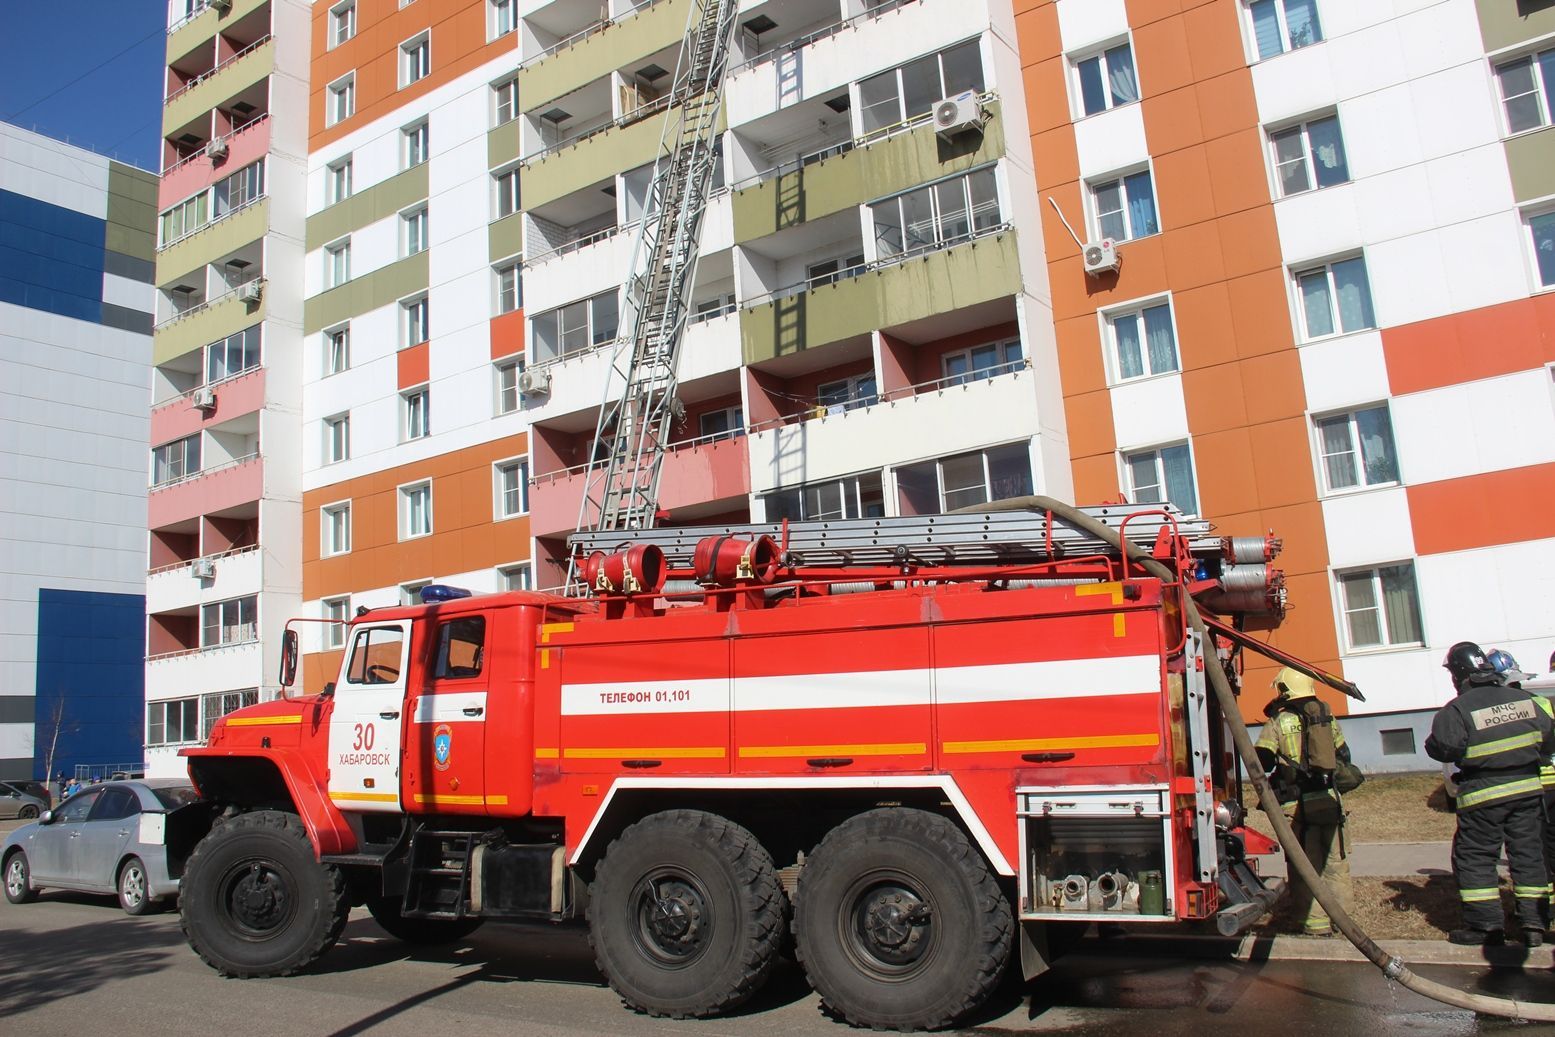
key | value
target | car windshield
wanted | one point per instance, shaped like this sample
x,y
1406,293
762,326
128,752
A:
x,y
175,796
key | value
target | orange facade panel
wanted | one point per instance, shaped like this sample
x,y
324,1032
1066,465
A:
x,y
1506,507
1463,347
414,365
507,334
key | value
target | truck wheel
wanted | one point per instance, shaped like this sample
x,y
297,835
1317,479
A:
x,y
134,896
255,902
18,879
423,932
685,915
899,922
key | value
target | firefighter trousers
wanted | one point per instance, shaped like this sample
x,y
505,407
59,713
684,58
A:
x,y
1323,844
1518,824
1549,846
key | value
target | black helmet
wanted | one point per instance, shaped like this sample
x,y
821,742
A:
x,y
1465,658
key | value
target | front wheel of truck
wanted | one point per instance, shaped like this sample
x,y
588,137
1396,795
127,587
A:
x,y
255,902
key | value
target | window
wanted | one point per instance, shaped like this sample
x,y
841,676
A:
x,y
1381,606
502,20
576,327
461,648
519,577
505,96
1308,156
724,423
184,218
375,656
415,142
337,181
415,510
176,460
414,223
508,396
337,611
413,322
170,722
964,480
1162,474
340,104
1357,449
1527,86
335,529
845,394
980,362
1125,207
833,270
337,264
415,59
78,807
410,593
510,288
229,622
1106,80
342,23
709,309
337,438
1542,230
903,93
1142,341
115,804
218,704
232,355
337,350
1398,741
1335,299
507,192
416,407
235,191
857,496
1281,25
937,215
512,488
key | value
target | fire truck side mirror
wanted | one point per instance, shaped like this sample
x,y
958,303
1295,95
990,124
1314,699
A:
x,y
288,658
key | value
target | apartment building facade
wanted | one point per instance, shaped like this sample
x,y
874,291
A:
x,y
1332,315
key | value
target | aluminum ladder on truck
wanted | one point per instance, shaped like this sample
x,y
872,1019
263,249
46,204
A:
x,y
621,485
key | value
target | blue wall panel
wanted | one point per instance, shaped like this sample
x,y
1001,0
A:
x,y
91,657
51,257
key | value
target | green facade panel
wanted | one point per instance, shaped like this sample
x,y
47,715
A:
x,y
505,237
202,28
199,330
616,47
132,211
368,292
589,161
873,171
1531,159
213,241
236,77
502,145
1506,23
938,282
377,202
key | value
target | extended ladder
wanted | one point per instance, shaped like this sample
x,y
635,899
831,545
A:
x,y
621,486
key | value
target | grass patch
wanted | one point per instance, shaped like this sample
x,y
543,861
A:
x,y
1388,808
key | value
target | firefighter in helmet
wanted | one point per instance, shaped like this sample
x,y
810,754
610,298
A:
x,y
1498,736
1503,663
1299,748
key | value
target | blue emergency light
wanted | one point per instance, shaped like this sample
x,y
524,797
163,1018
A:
x,y
433,593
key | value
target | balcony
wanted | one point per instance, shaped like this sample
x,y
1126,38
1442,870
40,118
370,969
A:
x,y
600,49
202,26
219,487
220,237
176,587
206,322
195,671
613,147
236,396
887,292
246,144
237,73
696,472
934,419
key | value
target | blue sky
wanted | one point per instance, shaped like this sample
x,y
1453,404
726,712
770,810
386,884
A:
x,y
89,71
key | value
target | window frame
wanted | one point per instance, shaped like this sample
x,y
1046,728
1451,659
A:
x,y
337,344
415,413
415,319
1125,462
982,454
938,220
415,143
222,624
500,369
973,374
1343,610
334,634
337,438
854,399
900,92
1121,177
1250,28
1544,85
1320,454
346,8
494,30
414,229
192,723
1530,213
209,714
329,545
591,336
338,178
1099,53
404,495
499,471
337,263
1137,308
1303,127
415,58
734,420
515,268
1297,271
226,347
191,449
504,182
340,99
850,497
506,572
508,86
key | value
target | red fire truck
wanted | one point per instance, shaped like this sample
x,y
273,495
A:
x,y
911,744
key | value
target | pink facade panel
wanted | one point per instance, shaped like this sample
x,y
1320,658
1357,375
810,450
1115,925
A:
x,y
247,145
213,490
235,397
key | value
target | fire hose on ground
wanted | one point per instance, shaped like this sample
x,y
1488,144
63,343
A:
x,y
1296,860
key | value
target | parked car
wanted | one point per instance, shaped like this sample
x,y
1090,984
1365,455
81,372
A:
x,y
16,800
129,838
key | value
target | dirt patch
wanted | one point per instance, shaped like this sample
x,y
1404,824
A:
x,y
1388,808
1412,908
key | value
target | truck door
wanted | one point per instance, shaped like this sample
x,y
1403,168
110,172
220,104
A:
x,y
364,730
445,757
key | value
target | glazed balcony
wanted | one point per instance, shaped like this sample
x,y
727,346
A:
x,y
246,144
222,486
211,241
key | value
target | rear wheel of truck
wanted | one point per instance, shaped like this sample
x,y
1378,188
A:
x,y
899,922
255,902
423,932
685,914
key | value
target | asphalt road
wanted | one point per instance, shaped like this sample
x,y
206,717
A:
x,y
75,965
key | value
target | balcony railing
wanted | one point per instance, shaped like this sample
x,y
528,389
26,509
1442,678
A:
x,y
186,235
252,638
583,241
586,32
208,303
213,469
842,147
188,394
261,117
636,115
669,448
812,411
174,566
801,42
203,76
195,12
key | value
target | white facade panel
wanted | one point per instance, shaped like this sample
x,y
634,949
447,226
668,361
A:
x,y
1475,427
236,575
578,274
1363,527
1318,223
50,171
1411,678
1111,140
134,295
1504,607
1086,23
215,669
1345,371
1149,411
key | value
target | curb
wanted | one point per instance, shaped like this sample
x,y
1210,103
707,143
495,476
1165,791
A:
x,y
1257,948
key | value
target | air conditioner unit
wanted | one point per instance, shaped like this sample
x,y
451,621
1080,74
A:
x,y
1101,257
205,568
251,291
216,150
205,398
534,381
954,116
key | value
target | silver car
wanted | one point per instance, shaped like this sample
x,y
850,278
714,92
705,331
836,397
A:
x,y
122,837
18,802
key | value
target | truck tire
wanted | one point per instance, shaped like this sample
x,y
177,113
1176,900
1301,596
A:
x,y
423,932
899,922
18,879
255,902
685,915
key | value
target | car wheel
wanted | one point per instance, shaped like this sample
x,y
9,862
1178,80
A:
x,y
28,812
133,888
256,902
18,879
424,932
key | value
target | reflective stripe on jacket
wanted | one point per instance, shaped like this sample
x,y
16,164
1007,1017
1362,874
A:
x,y
1500,737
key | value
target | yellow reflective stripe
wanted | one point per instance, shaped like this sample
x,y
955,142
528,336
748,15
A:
x,y
1530,891
1478,896
1502,745
781,752
263,721
1520,787
1544,704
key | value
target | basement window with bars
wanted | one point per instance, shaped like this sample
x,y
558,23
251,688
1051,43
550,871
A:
x,y
215,705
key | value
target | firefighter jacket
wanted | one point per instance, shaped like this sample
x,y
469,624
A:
x,y
1280,751
1498,736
